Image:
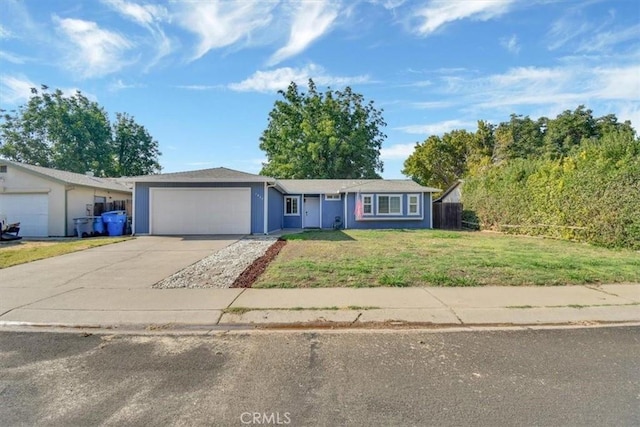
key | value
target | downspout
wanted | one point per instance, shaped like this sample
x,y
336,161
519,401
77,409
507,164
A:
x,y
265,207
66,209
302,211
320,198
430,212
133,210
346,204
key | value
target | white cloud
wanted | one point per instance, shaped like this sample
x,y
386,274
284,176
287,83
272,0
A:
x,y
616,83
4,33
606,40
199,87
10,57
16,89
397,151
310,21
219,24
581,35
629,111
280,78
438,128
432,104
438,13
563,30
142,14
511,44
148,16
545,91
121,85
94,51
562,85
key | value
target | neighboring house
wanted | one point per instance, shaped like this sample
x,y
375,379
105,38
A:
x,y
452,194
225,201
45,201
447,209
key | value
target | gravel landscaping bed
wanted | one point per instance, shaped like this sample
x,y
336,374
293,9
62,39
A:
x,y
221,269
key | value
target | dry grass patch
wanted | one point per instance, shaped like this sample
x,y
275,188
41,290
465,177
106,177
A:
x,y
23,251
367,258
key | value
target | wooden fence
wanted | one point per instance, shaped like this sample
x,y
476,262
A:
x,y
447,216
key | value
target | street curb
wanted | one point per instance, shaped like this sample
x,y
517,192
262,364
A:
x,y
190,329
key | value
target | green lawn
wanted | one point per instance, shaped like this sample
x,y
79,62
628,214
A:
x,y
20,252
366,258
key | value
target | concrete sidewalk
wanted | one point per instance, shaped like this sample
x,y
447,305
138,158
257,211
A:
x,y
335,307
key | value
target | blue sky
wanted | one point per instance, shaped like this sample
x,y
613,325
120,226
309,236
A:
x,y
202,76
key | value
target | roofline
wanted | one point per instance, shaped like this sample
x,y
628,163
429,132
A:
x,y
61,181
449,190
168,179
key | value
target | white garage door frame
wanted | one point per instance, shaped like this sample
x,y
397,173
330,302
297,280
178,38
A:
x,y
31,210
199,210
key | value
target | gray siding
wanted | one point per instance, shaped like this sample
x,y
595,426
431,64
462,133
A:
x,y
141,212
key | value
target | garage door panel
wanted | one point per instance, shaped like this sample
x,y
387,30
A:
x,y
201,211
30,210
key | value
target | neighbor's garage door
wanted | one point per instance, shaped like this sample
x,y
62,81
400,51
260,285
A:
x,y
30,210
200,211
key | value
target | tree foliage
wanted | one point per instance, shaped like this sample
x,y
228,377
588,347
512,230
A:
x,y
440,160
73,133
335,134
136,152
575,176
592,195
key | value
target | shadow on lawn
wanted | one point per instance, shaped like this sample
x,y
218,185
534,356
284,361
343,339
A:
x,y
330,236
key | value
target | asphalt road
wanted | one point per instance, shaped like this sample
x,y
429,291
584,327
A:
x,y
526,377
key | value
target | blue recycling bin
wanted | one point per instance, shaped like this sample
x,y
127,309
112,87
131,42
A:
x,y
115,222
98,225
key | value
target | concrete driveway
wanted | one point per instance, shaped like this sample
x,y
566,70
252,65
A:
x,y
98,275
136,263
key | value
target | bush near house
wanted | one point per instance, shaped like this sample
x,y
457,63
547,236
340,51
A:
x,y
592,194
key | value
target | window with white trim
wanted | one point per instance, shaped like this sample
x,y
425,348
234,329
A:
x,y
414,204
333,197
390,205
292,205
367,204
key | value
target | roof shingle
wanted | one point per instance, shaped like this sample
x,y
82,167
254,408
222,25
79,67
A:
x,y
309,186
71,177
204,175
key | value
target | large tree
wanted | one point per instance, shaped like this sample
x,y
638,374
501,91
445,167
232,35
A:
x,y
136,152
73,133
439,161
335,134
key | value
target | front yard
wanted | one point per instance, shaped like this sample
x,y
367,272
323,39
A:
x,y
366,258
21,251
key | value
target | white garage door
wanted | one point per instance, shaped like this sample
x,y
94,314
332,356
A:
x,y
200,211
30,210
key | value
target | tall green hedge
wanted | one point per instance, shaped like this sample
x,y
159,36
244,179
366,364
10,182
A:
x,y
592,195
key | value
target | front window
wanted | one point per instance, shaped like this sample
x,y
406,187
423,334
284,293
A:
x,y
389,205
334,197
367,205
414,204
291,204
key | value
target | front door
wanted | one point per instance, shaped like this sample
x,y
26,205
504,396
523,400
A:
x,y
311,212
